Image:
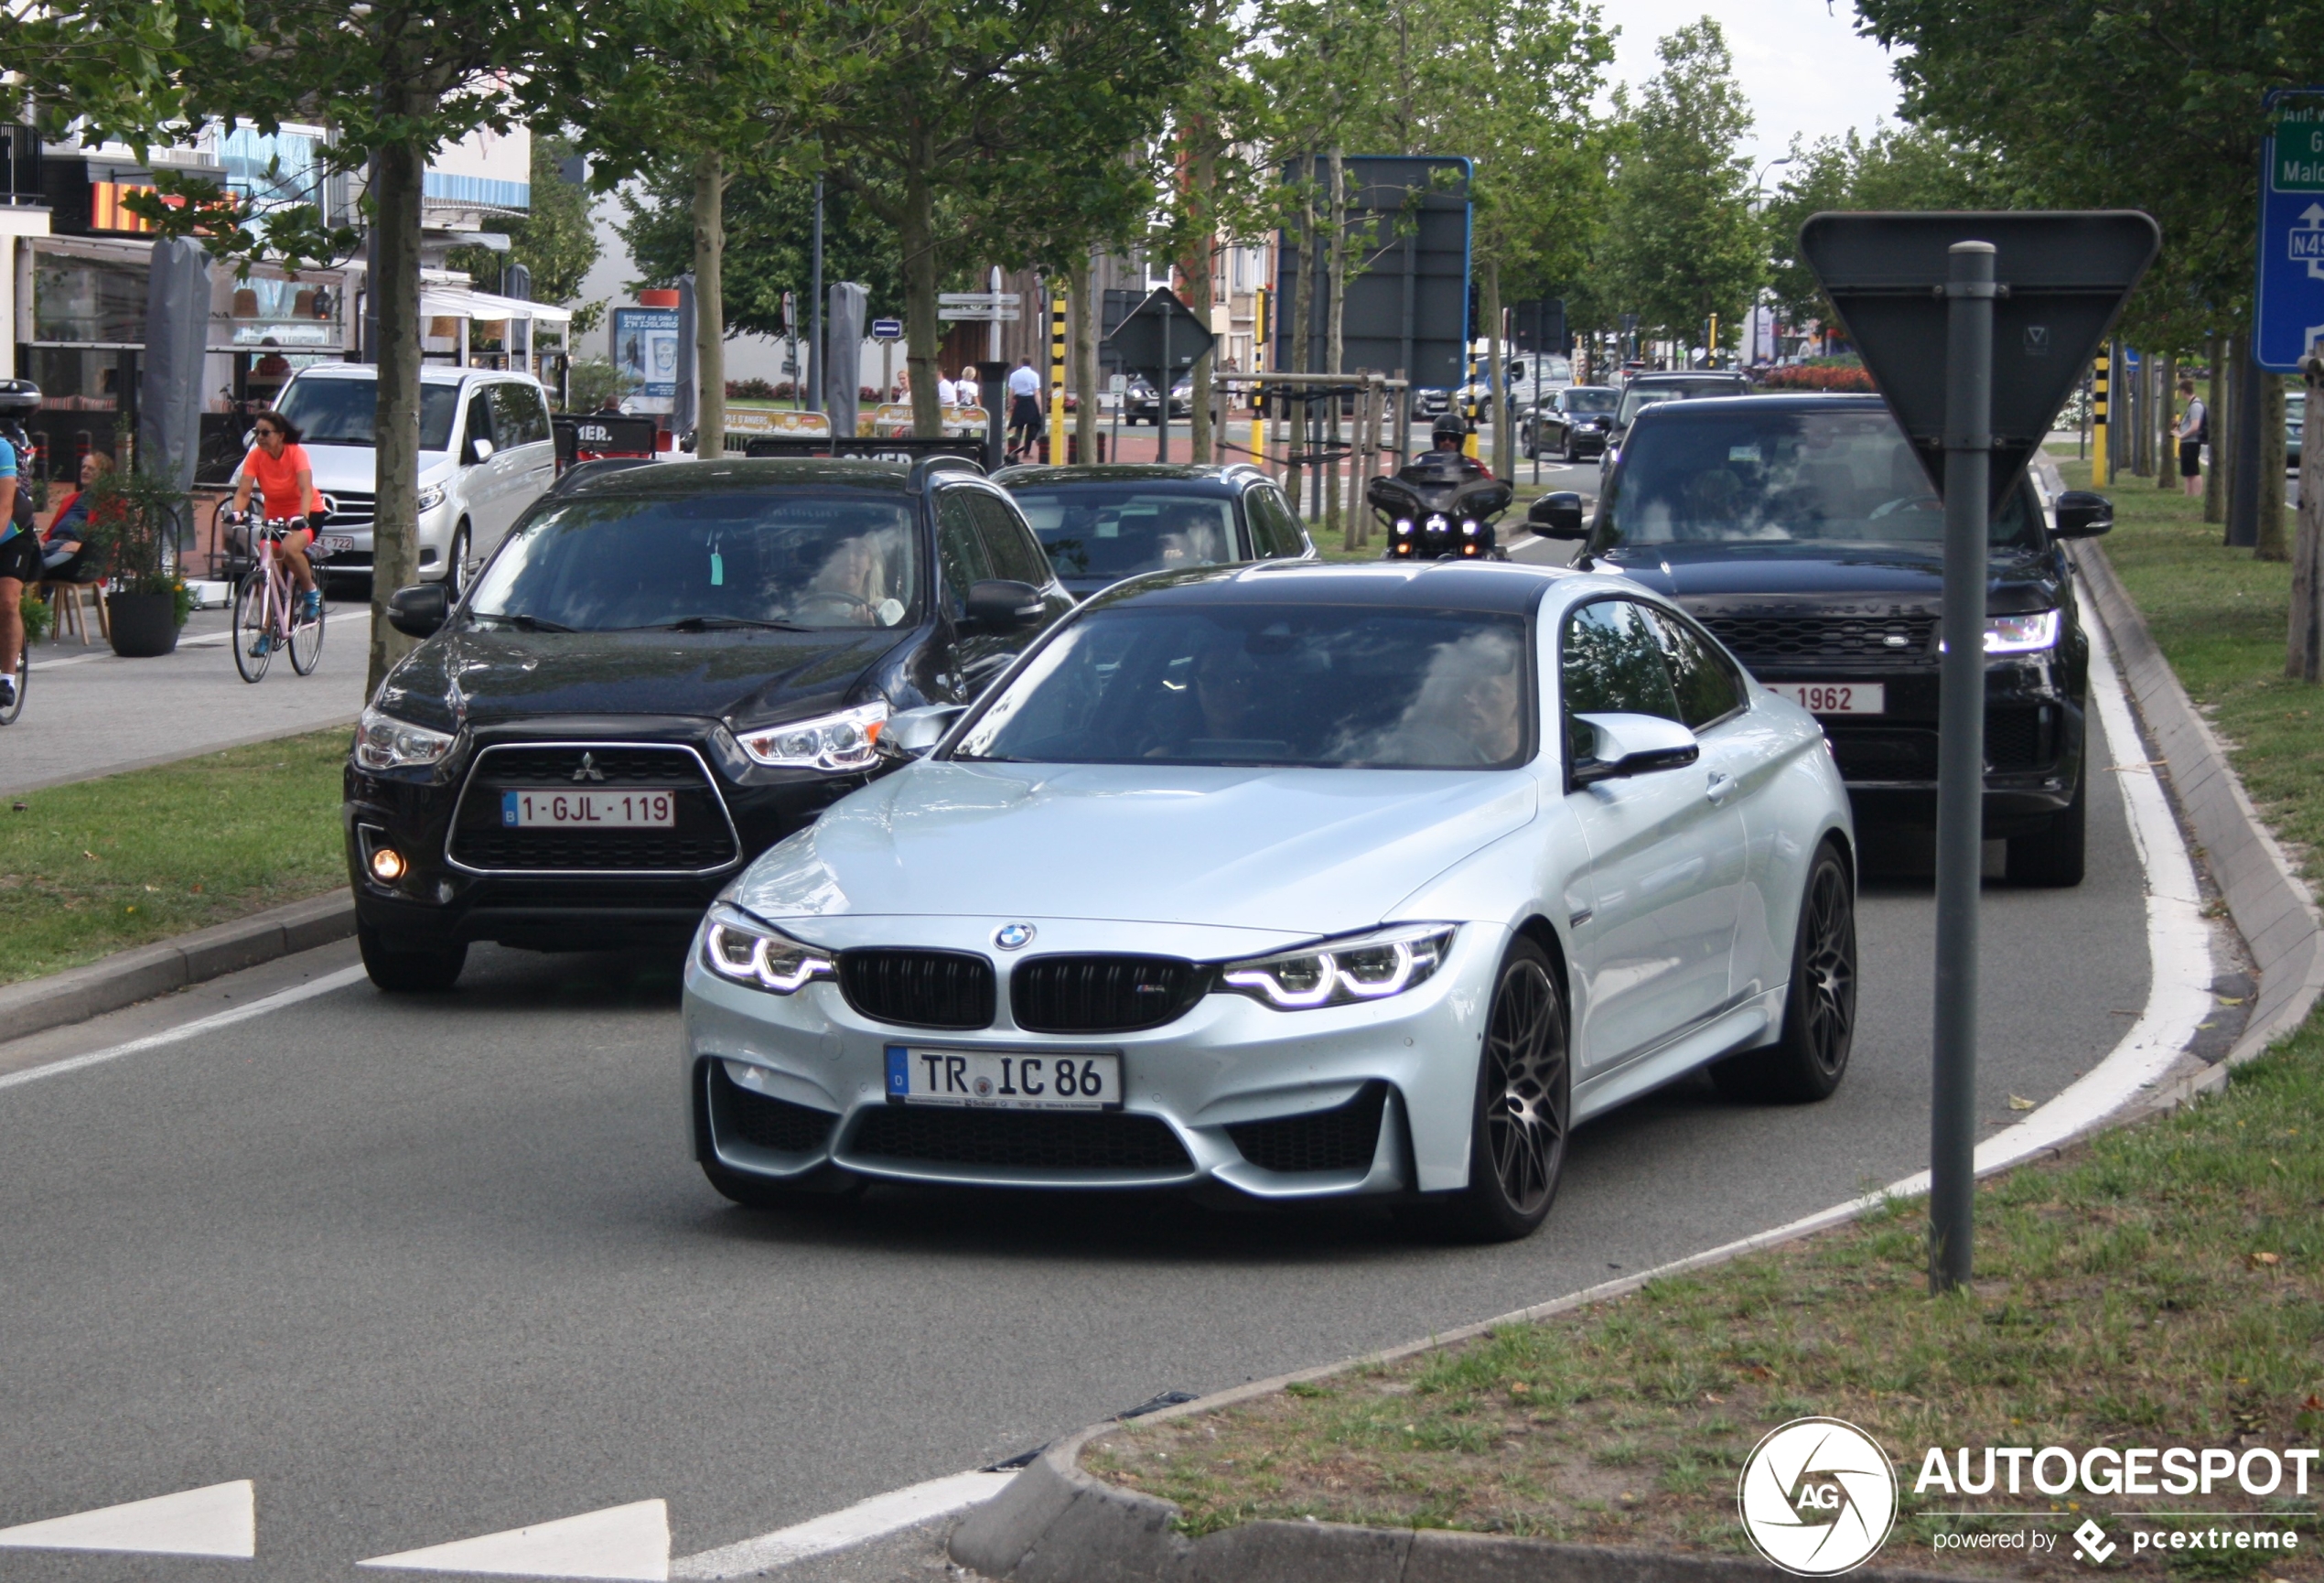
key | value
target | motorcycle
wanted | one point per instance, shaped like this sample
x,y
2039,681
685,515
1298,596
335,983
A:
x,y
1440,506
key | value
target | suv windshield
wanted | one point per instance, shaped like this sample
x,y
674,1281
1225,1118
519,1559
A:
x,y
730,558
1121,529
1312,685
340,412
1640,394
1777,476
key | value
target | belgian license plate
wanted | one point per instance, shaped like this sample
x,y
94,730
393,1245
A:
x,y
1836,697
1003,1079
338,544
599,810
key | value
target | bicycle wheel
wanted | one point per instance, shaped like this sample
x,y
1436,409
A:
x,y
307,640
253,624
9,711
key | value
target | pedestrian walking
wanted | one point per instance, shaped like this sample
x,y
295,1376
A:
x,y
1024,409
971,393
2194,433
947,392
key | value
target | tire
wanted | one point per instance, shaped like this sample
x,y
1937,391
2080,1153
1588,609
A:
x,y
456,564
752,1193
24,680
1524,1105
1567,456
250,621
1807,1061
409,972
2053,858
306,638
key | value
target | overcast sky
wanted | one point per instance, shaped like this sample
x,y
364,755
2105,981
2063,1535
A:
x,y
1801,62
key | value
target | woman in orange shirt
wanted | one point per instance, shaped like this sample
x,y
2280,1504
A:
x,y
277,464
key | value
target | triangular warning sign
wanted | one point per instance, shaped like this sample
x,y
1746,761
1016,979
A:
x,y
217,1520
628,1542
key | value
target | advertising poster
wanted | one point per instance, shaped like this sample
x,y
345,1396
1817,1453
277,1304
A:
x,y
645,349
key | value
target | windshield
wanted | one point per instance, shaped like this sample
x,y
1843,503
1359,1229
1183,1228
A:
x,y
1119,530
1584,398
1311,685
1639,396
813,562
340,412
1775,475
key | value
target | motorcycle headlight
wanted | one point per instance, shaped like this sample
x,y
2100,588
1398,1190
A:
x,y
1469,526
835,743
384,742
1360,967
738,947
1404,524
431,496
1438,525
2023,634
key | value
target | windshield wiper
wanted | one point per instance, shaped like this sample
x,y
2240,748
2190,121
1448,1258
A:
x,y
715,623
521,621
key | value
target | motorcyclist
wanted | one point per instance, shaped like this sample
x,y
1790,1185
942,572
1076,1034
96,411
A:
x,y
1446,460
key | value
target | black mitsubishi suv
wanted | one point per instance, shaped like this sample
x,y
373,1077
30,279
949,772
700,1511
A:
x,y
1803,532
663,672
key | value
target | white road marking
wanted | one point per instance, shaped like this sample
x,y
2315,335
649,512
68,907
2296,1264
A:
x,y
628,1542
218,1520
201,1025
842,1530
109,654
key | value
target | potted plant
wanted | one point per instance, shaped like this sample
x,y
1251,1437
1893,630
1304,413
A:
x,y
139,516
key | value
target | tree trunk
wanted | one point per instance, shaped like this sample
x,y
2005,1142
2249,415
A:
x,y
2273,546
2166,445
1202,178
1084,333
918,239
2214,489
396,192
1334,350
709,302
1496,396
1303,308
2304,661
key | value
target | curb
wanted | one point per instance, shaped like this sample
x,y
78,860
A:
x,y
127,977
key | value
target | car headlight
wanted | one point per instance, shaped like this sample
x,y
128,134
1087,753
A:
x,y
847,740
384,742
431,496
1342,972
736,946
2021,634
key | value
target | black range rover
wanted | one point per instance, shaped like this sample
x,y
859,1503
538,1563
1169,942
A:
x,y
1803,531
661,673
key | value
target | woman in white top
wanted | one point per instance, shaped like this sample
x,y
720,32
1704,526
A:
x,y
969,394
947,392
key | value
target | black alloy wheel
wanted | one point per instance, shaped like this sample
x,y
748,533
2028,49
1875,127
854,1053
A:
x,y
1524,1103
1806,1062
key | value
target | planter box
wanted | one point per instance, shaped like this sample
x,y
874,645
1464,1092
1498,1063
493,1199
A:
x,y
143,625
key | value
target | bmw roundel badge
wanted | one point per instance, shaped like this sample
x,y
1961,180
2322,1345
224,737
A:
x,y
1012,936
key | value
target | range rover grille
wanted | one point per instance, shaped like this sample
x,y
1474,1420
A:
x,y
1849,642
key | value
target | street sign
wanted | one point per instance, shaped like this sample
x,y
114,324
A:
x,y
2066,274
975,298
1161,338
888,329
981,312
2288,315
1407,307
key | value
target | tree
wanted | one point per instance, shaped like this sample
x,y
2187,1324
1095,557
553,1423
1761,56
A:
x,y
555,241
770,221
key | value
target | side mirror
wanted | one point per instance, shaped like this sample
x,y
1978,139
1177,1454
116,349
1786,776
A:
x,y
1623,745
1557,516
1001,606
914,731
479,449
2084,515
419,611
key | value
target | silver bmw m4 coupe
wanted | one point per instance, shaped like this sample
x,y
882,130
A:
x,y
1296,882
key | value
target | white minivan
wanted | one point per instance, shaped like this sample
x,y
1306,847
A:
x,y
485,454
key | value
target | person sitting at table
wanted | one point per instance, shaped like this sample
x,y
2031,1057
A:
x,y
66,553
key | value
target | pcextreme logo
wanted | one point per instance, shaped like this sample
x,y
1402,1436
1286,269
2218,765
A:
x,y
1818,1497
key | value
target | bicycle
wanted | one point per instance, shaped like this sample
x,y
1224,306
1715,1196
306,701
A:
x,y
266,610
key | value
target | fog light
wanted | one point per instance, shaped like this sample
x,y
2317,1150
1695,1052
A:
x,y
387,865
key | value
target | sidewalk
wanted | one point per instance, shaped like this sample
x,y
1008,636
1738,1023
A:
x,y
89,713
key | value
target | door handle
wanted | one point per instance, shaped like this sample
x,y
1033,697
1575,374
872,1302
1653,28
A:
x,y
1721,787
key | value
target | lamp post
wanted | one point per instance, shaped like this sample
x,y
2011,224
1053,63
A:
x,y
1758,300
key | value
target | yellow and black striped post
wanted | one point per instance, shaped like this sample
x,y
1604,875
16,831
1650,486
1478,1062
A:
x,y
1258,361
1057,382
2099,371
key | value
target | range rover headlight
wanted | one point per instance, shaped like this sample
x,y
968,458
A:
x,y
739,948
2023,634
384,742
1360,967
834,743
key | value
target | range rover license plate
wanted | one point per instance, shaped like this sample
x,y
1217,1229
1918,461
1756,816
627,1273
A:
x,y
597,810
1835,698
1004,1081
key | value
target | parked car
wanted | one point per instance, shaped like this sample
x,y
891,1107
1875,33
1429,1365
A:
x,y
1572,423
1429,401
486,454
1139,403
1101,524
1646,390
663,672
1803,531
1297,882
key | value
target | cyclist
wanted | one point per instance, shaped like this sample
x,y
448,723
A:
x,y
20,544
279,466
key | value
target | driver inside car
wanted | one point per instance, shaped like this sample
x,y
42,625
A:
x,y
853,579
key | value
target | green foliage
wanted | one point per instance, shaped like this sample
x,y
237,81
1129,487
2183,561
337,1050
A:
x,y
769,235
554,240
37,616
140,515
593,379
1895,169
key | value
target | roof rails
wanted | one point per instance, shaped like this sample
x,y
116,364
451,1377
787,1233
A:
x,y
916,482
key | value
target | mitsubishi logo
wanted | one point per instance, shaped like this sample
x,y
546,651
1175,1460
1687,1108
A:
x,y
588,771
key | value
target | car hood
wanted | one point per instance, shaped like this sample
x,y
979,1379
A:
x,y
357,467
744,678
1884,578
1300,852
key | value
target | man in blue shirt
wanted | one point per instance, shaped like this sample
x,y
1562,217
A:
x,y
19,565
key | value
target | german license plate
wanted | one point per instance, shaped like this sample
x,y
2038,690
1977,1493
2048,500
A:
x,y
1836,697
597,810
338,544
1003,1079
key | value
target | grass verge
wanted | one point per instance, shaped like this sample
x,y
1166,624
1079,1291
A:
x,y
98,865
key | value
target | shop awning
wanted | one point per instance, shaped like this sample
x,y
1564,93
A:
x,y
450,302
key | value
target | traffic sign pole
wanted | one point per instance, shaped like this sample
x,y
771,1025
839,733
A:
x,y
2101,373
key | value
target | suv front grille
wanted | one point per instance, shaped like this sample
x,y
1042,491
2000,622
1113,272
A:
x,y
1036,1140
699,840
1101,993
1341,1139
1847,643
919,988
352,511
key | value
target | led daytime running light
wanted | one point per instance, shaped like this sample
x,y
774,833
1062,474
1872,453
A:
x,y
766,960
831,743
2021,634
1365,967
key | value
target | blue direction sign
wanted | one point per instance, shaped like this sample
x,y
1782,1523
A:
x,y
2290,312
888,329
